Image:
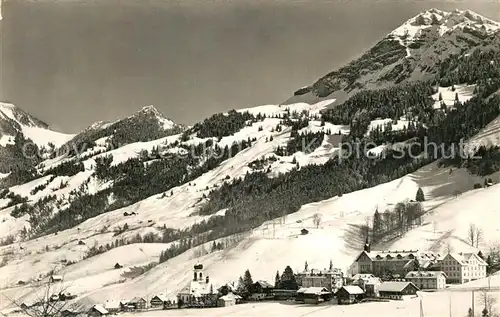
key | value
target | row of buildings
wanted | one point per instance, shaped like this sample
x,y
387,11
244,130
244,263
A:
x,y
433,270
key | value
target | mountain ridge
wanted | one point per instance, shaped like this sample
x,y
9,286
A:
x,y
244,179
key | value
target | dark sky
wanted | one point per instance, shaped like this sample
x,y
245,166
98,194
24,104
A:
x,y
73,62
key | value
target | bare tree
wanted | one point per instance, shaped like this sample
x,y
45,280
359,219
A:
x,y
317,219
471,234
474,235
488,302
51,300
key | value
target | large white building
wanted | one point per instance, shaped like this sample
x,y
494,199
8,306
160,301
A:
x,y
427,279
463,267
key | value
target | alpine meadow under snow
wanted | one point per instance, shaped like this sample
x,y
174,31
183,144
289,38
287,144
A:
x,y
126,208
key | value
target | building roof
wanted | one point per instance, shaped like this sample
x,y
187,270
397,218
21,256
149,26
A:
x,y
56,277
425,274
464,258
353,289
362,276
100,309
136,300
401,255
318,272
314,290
161,297
112,304
394,286
264,284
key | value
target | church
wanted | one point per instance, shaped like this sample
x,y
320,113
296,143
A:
x,y
200,292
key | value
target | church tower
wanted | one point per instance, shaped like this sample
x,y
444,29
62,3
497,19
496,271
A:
x,y
198,272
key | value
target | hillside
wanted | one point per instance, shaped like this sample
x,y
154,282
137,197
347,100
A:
x,y
234,191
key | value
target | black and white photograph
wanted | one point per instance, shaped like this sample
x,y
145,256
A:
x,y
249,158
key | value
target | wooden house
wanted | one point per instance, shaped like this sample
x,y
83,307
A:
x,y
158,301
138,303
313,295
304,231
350,294
97,311
262,290
396,290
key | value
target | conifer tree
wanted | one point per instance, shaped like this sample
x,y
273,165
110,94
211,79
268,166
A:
x,y
420,195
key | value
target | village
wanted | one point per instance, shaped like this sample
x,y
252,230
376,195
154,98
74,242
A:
x,y
374,276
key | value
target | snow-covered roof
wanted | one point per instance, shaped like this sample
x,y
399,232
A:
x,y
464,258
112,304
313,290
394,286
230,297
264,284
353,289
161,297
424,274
100,309
198,288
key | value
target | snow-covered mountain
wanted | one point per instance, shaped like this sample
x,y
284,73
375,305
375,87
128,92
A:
x,y
156,197
20,132
411,52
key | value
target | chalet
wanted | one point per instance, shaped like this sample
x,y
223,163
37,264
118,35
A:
x,y
200,291
118,266
350,294
97,311
158,301
228,300
463,267
304,231
125,306
313,295
427,279
112,306
81,242
332,279
138,303
262,290
55,278
388,264
396,290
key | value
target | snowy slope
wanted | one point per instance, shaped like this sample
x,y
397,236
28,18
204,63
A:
x,y
32,128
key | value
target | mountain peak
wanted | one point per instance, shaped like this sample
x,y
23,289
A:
x,y
444,21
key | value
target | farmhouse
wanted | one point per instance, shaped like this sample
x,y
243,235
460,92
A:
x,y
262,290
427,279
97,311
313,295
396,290
350,295
137,303
463,267
158,301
